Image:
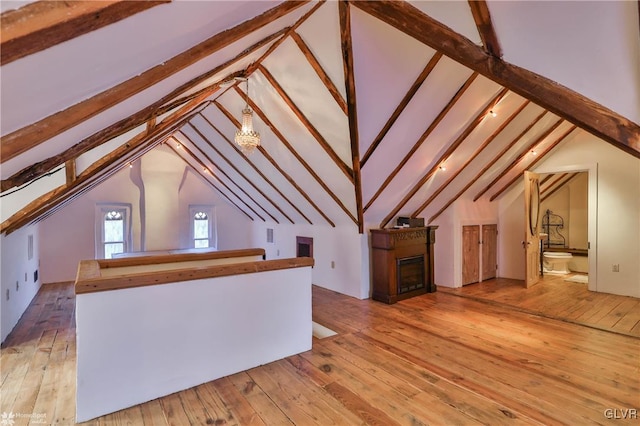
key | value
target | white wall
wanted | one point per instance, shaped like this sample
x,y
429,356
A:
x,y
617,211
340,253
68,236
227,332
18,275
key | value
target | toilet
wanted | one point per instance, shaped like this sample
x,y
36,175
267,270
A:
x,y
556,262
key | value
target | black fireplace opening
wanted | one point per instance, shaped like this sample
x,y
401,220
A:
x,y
304,247
410,273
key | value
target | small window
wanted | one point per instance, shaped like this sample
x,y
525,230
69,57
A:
x,y
113,234
200,230
203,226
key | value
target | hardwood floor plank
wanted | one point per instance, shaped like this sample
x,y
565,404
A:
x,y
492,353
268,411
238,405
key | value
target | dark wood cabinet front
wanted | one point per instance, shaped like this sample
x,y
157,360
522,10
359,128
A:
x,y
402,263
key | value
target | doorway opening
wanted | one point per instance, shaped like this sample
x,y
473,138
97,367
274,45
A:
x,y
568,209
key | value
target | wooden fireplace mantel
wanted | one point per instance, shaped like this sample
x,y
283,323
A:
x,y
402,263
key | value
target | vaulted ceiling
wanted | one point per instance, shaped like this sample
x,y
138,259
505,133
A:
x,y
367,110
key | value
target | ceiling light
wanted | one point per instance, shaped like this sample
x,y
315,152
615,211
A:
x,y
493,113
533,152
178,145
130,165
443,167
246,137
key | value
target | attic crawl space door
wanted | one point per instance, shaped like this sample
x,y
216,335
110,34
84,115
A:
x,y
479,253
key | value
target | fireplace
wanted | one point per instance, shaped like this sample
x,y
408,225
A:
x,y
402,263
410,274
304,247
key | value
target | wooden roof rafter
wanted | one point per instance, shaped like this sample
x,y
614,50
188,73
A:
x,y
254,66
161,106
402,105
472,157
238,171
88,179
352,107
425,135
482,17
560,100
559,183
36,133
40,25
257,170
207,176
523,153
488,165
210,168
268,157
445,155
348,172
322,74
535,161
295,153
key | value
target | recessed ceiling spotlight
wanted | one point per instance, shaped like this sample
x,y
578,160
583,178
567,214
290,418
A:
x,y
131,165
178,145
533,152
493,113
443,167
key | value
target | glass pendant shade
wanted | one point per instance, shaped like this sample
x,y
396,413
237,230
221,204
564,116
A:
x,y
246,137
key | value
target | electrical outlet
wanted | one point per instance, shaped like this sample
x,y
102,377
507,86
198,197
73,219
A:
x,y
17,286
25,277
7,294
333,264
615,268
278,252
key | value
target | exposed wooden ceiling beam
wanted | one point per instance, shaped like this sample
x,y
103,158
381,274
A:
x,y
539,157
70,170
38,169
254,66
481,15
281,137
564,177
522,154
322,74
352,107
562,101
43,24
34,134
258,171
207,176
472,157
237,170
208,169
402,105
268,157
37,207
443,113
488,165
445,155
164,104
61,194
348,172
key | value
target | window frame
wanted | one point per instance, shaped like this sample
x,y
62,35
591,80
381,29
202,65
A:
x,y
210,211
101,211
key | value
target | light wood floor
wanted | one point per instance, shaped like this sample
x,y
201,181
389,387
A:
x,y
556,298
436,359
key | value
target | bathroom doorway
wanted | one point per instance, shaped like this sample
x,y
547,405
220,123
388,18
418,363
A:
x,y
568,207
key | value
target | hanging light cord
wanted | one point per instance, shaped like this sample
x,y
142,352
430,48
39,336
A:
x,y
33,181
